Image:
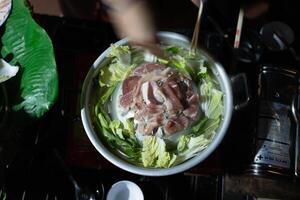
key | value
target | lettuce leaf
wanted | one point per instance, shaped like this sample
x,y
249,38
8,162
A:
x,y
115,72
115,135
183,66
206,127
122,53
189,146
215,107
154,153
118,135
190,64
211,99
212,105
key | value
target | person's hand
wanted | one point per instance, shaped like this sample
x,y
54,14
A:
x,y
196,2
132,19
257,9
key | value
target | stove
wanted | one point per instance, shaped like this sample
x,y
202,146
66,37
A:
x,y
30,170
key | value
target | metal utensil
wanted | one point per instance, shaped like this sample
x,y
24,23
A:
x,y
238,31
195,37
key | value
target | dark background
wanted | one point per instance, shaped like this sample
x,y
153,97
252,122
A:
x,y
81,31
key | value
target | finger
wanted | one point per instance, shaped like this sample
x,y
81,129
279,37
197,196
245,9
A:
x,y
256,10
196,2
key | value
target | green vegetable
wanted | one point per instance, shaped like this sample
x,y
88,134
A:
x,y
2,195
206,127
182,143
189,63
173,50
103,121
118,70
33,51
129,126
203,70
106,93
122,53
181,63
212,99
129,132
113,131
150,151
118,135
137,56
215,107
99,109
154,153
162,61
115,127
132,152
200,125
189,147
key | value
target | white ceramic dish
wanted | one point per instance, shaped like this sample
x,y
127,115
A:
x,y
125,190
5,6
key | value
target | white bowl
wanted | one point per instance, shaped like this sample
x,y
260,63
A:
x,y
5,7
125,190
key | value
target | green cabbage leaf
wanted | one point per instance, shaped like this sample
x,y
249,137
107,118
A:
x,y
32,50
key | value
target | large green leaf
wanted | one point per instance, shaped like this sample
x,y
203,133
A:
x,y
32,49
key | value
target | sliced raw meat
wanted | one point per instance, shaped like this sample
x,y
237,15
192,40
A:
x,y
175,101
192,112
159,96
130,84
126,100
147,67
176,124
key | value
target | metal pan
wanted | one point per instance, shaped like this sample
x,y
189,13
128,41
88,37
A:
x,y
89,100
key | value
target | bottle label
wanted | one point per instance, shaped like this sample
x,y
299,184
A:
x,y
273,138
